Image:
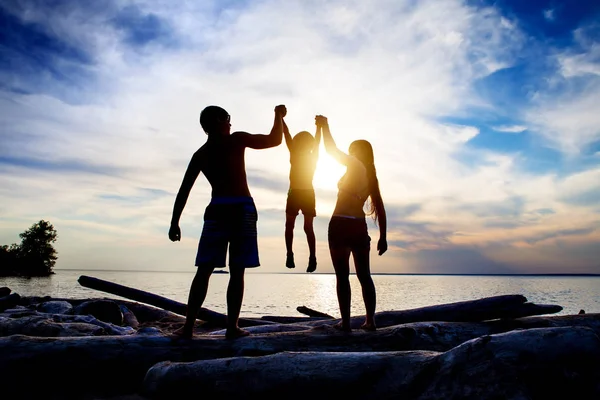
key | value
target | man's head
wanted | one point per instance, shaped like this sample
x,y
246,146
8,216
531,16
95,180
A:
x,y
304,141
215,121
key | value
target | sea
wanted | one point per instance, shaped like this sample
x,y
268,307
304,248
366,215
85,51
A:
x,y
281,293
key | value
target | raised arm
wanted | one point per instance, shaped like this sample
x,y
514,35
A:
x,y
330,146
287,136
192,172
317,141
265,141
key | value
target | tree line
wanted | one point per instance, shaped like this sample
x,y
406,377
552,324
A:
x,y
34,256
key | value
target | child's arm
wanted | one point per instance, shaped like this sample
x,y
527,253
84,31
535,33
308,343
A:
x,y
265,141
287,136
330,146
192,172
317,141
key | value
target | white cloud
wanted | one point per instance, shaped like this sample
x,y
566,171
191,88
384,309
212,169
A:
x,y
569,119
373,77
510,128
549,14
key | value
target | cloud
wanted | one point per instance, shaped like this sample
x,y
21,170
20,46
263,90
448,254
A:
x,y
549,14
104,151
566,114
510,128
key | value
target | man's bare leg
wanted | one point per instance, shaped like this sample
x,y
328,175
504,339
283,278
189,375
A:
x,y
195,299
235,295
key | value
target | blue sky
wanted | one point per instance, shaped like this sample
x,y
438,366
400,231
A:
x,y
484,117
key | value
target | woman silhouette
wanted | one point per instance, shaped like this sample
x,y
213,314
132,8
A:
x,y
348,232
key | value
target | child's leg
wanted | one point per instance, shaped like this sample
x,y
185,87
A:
x,y
290,222
310,237
196,298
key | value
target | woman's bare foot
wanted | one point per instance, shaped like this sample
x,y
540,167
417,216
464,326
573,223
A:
x,y
183,333
340,326
368,326
236,333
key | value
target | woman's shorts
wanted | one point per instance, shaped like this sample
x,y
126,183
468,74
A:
x,y
301,199
229,221
346,232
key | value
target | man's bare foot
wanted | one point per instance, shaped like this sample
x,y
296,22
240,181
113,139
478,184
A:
x,y
340,326
236,333
183,333
368,326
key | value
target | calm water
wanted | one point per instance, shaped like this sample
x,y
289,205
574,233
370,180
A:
x,y
280,294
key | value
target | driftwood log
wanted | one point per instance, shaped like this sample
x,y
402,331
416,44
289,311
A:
x,y
488,308
215,318
124,360
312,313
533,364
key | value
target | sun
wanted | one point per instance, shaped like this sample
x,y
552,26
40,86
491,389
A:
x,y
328,173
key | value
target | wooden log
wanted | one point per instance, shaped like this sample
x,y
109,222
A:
x,y
509,366
123,360
9,301
290,320
488,308
312,313
4,291
176,307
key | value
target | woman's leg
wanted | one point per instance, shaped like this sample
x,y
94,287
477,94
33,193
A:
x,y
310,237
290,222
363,273
340,258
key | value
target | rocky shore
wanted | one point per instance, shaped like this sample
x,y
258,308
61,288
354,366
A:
x,y
491,348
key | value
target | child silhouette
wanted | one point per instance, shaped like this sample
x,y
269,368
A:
x,y
304,153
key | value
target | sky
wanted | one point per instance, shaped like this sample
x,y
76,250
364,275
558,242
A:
x,y
484,117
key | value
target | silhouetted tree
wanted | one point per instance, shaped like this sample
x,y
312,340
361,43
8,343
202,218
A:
x,y
8,259
35,256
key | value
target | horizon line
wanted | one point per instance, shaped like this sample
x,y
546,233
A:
x,y
352,273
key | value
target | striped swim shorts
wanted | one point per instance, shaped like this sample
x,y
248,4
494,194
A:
x,y
229,221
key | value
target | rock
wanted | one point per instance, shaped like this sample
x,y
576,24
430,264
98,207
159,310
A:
x,y
9,301
41,326
4,291
55,307
129,318
104,310
149,331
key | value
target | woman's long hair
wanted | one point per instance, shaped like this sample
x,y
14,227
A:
x,y
363,150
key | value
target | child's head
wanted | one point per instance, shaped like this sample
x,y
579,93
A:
x,y
303,141
215,120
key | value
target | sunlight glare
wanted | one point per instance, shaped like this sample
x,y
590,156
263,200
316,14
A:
x,y
328,173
